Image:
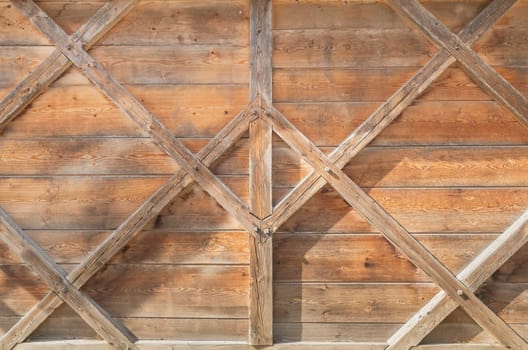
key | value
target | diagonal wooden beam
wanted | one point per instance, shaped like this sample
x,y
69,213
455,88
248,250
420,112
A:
x,y
473,275
56,64
100,77
54,276
260,185
486,77
385,114
393,231
118,239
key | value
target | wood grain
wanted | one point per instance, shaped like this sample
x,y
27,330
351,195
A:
x,y
83,109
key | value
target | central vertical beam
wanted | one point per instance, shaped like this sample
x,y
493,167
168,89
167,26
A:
x,y
260,133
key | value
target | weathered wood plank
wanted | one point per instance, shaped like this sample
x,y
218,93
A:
x,y
67,326
377,84
365,257
417,209
393,231
333,332
422,123
328,14
106,156
185,345
418,166
194,291
359,48
54,276
148,247
487,78
207,291
152,22
53,66
353,302
86,111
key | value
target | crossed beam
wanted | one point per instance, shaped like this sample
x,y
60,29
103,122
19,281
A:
x,y
326,169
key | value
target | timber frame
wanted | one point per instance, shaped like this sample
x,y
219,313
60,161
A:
x,y
261,219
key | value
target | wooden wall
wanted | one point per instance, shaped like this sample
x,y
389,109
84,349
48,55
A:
x,y
451,168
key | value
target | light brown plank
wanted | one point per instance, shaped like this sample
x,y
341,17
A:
x,y
417,209
153,22
366,258
333,332
358,303
148,247
418,166
194,291
369,14
67,326
422,123
86,111
106,156
377,84
388,111
185,345
358,48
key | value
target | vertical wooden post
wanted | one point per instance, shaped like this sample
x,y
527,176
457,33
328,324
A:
x,y
260,133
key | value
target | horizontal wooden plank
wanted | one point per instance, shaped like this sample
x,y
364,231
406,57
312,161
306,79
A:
x,y
366,258
333,332
373,303
105,202
106,156
375,47
172,291
350,48
358,303
452,335
422,123
417,209
367,14
194,64
83,110
180,291
377,84
65,325
504,46
199,345
419,166
149,247
151,22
